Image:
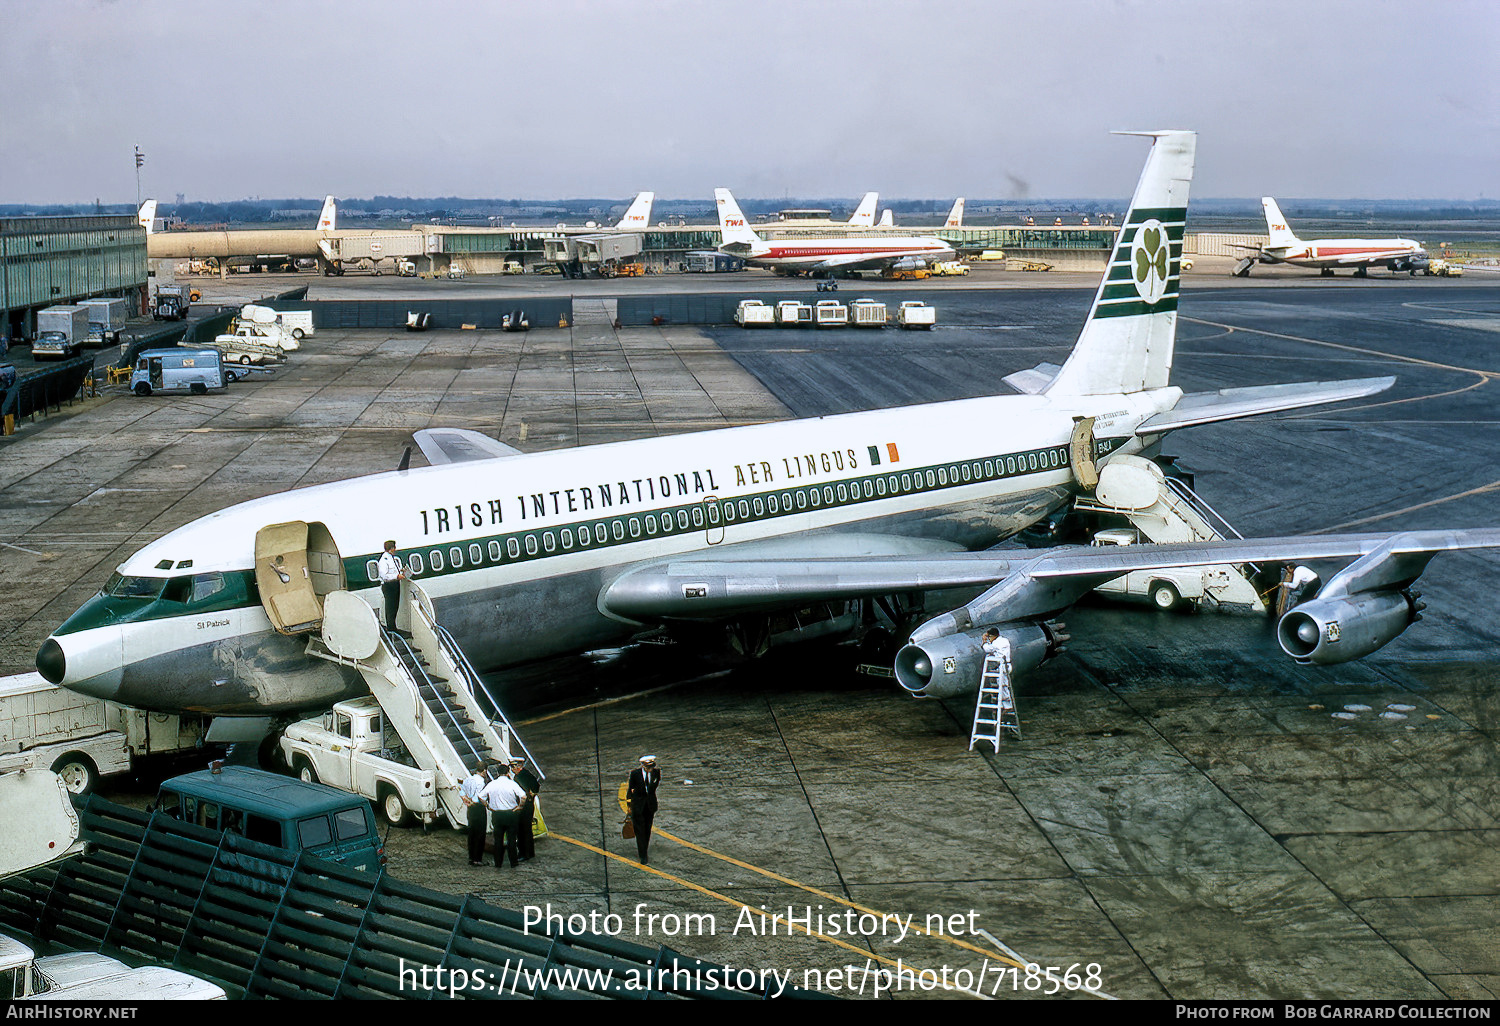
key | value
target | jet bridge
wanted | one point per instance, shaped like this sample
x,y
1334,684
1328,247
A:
x,y
427,688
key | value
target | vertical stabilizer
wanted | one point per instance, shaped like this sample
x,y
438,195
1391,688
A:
x,y
956,215
1126,344
639,214
888,219
147,215
1280,235
864,214
328,219
732,222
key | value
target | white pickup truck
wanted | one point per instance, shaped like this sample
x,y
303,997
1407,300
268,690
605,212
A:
x,y
85,976
1166,588
348,747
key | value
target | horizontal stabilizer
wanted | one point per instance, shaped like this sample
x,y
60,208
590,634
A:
x,y
1234,403
1033,381
459,445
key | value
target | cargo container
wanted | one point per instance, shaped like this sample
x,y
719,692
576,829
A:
x,y
752,312
914,314
867,313
789,311
830,313
708,261
298,322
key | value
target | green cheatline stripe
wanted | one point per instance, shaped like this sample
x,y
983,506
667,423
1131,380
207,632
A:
x,y
1174,232
1164,214
1113,293
1167,304
1124,271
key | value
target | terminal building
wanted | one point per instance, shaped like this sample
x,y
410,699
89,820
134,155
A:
x,y
57,261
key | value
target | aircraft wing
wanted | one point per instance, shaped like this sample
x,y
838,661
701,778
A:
x,y
459,445
1233,403
1026,584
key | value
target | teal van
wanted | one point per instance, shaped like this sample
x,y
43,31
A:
x,y
279,811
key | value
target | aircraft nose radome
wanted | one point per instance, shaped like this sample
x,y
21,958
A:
x,y
50,661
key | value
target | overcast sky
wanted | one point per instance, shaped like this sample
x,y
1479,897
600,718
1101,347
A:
x,y
556,98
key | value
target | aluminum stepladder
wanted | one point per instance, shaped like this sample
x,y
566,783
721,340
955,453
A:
x,y
995,708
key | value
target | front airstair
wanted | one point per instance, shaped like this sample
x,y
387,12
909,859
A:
x,y
1166,510
427,688
995,709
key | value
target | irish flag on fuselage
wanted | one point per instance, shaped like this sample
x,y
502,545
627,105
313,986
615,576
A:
x,y
1126,344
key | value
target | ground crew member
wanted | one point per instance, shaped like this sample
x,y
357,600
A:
x,y
528,782
503,798
472,786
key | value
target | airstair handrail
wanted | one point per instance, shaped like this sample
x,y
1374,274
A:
x,y
416,667
471,678
1204,509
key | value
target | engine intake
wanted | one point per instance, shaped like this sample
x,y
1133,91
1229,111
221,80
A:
x,y
1336,630
950,665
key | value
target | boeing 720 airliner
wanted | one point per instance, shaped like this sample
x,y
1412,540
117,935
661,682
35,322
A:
x,y
525,556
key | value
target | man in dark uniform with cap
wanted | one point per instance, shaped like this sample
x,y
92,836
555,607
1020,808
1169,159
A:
x,y
528,782
641,793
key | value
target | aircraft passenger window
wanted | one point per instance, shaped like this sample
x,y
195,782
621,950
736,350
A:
x,y
549,542
968,474
455,557
880,485
650,524
436,557
682,519
567,538
372,571
729,512
618,529
494,552
815,496
760,507
827,493
415,563
855,490
583,536
801,499
697,516
1010,464
989,468
476,554
513,546
929,479
713,513
906,482
953,473
773,504
744,510
1031,459
531,544
786,500
843,494
635,527
942,476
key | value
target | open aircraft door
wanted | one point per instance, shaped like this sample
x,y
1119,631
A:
x,y
296,565
1081,453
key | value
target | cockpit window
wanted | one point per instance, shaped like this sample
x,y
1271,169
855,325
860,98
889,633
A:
x,y
120,586
196,589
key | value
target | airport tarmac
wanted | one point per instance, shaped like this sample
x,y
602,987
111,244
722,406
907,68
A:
x,y
1189,811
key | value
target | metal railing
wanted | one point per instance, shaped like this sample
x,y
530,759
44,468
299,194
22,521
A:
x,y
414,668
472,681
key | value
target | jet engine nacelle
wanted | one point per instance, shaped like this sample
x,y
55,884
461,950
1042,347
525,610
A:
x,y
909,264
950,665
1335,630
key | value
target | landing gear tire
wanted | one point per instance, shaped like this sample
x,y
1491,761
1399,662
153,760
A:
x,y
394,809
78,773
305,772
1165,597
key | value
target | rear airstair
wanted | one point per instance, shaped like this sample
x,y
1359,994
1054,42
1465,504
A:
x,y
995,709
1165,510
427,688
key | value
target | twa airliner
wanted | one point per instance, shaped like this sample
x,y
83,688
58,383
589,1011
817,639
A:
x,y
825,524
826,254
1328,255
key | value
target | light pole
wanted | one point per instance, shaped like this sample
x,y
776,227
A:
x,y
140,158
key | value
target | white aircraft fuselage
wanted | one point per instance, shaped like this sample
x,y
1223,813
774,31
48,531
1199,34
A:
x,y
869,251
516,552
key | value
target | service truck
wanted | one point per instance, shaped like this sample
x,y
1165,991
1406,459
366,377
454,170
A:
x,y
171,303
81,738
351,748
85,976
1166,588
71,322
298,322
106,318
